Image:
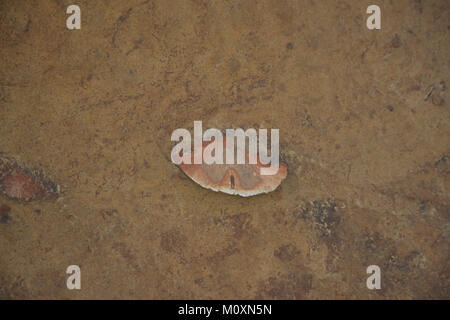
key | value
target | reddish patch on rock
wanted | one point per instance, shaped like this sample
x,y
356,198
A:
x,y
396,42
20,183
4,209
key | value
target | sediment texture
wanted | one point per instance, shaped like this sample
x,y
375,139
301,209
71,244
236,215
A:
x,y
364,126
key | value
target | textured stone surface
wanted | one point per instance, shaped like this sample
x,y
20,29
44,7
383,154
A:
x,y
364,119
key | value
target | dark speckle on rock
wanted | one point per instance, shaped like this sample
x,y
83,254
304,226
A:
x,y
109,212
285,287
4,218
173,241
289,46
322,214
27,28
286,252
417,5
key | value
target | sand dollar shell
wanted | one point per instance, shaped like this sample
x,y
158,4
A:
x,y
236,179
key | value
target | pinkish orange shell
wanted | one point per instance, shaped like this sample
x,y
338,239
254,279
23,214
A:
x,y
22,184
235,179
